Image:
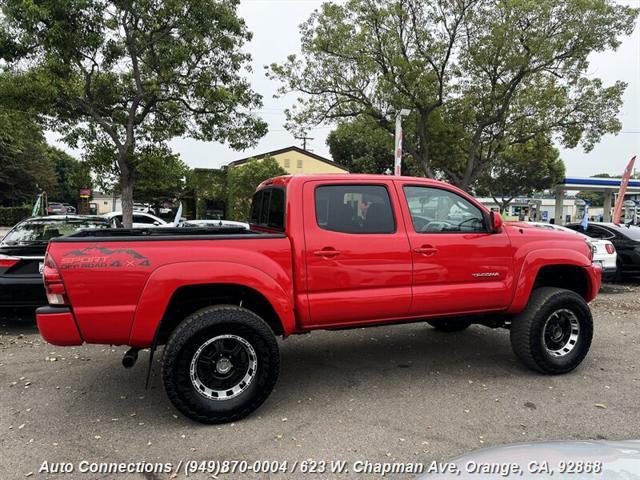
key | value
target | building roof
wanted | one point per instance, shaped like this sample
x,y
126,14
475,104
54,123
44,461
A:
x,y
291,148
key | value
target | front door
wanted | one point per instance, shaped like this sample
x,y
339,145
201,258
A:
x,y
357,253
459,267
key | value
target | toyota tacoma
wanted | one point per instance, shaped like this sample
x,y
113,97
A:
x,y
322,252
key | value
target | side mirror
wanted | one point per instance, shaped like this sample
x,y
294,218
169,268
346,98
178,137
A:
x,y
495,222
156,223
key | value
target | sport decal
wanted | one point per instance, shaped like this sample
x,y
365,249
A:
x,y
96,256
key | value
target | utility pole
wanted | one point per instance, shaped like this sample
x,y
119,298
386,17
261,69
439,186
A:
x,y
304,139
397,165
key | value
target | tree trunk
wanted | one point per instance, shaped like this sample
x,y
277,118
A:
x,y
126,185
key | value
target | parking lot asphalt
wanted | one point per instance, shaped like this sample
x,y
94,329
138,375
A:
x,y
392,394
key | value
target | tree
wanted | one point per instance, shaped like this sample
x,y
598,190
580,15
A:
x,y
71,175
26,169
161,174
126,74
477,75
361,146
242,182
522,170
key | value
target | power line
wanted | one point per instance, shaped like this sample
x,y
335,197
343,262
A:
x,y
304,139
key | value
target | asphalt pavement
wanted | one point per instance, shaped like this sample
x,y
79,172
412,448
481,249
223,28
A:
x,y
391,394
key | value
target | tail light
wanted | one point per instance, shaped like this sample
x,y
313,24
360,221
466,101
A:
x,y
7,262
592,248
610,248
56,293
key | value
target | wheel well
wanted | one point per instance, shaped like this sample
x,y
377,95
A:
x,y
188,299
569,277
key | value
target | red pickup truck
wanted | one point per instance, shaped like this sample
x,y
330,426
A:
x,y
323,252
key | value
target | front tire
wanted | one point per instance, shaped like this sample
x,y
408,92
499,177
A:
x,y
220,364
554,332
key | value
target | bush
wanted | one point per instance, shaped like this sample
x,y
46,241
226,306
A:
x,y
242,182
9,216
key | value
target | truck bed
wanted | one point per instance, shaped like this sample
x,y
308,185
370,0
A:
x,y
165,233
115,278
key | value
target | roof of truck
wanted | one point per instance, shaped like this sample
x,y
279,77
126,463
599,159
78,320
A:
x,y
358,177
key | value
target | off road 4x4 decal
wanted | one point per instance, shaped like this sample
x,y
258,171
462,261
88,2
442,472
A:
x,y
97,256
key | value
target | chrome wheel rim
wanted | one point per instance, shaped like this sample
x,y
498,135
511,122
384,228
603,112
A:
x,y
561,332
223,367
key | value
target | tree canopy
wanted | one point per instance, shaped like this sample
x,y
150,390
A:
x,y
242,182
522,170
478,76
362,146
124,75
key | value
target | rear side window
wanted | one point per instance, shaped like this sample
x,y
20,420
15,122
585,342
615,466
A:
x,y
267,208
354,209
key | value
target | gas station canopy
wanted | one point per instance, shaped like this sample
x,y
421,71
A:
x,y
608,186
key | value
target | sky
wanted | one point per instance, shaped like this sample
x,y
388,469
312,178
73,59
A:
x,y
274,24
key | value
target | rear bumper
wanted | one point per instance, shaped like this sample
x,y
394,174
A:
x,y
57,326
22,291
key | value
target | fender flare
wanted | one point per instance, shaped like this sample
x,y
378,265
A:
x,y
167,279
538,259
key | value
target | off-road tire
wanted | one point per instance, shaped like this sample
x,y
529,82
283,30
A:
x,y
450,325
528,327
193,333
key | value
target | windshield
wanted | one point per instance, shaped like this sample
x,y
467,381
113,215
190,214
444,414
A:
x,y
41,231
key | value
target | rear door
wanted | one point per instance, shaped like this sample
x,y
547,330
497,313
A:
x,y
356,252
459,267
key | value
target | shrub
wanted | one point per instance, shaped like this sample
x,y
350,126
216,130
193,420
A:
x,y
9,216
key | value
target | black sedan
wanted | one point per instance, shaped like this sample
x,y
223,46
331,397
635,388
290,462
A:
x,y
22,254
625,238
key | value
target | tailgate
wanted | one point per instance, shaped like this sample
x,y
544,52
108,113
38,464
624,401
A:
x,y
103,282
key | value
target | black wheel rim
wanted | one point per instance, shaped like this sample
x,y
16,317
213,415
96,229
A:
x,y
223,367
561,332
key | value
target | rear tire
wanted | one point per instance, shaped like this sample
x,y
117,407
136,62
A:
x,y
450,325
220,364
554,332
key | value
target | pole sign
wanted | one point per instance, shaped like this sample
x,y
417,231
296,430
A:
x,y
617,212
85,192
397,166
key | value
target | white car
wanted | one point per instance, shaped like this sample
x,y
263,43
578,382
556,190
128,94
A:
x,y
604,253
214,224
140,220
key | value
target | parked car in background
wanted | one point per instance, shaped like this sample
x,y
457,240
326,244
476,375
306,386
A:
x,y
142,207
558,460
56,208
69,208
140,220
214,224
604,251
625,238
22,252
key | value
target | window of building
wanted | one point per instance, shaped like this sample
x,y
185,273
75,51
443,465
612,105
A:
x,y
287,163
435,210
354,209
299,163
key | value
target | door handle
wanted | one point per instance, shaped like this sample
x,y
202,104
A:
x,y
327,253
426,250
